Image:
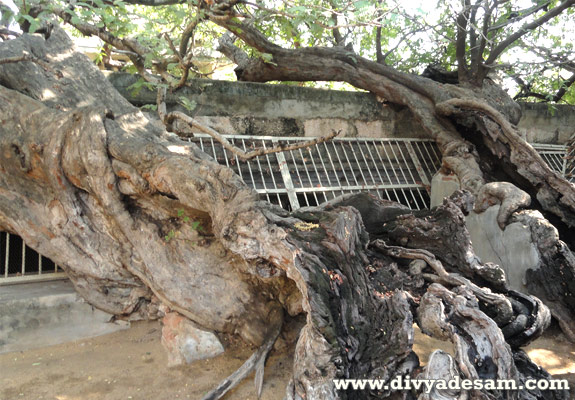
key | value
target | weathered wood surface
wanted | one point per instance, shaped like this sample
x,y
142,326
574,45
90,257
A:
x,y
87,180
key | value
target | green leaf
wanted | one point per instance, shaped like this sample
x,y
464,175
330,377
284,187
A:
x,y
361,4
188,104
268,58
297,10
151,107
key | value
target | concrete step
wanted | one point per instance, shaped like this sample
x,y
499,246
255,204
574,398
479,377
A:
x,y
41,314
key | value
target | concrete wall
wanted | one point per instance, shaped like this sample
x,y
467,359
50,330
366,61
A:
x,y
548,124
47,313
281,110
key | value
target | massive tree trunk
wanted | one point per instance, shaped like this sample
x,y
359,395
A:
x,y
474,129
87,180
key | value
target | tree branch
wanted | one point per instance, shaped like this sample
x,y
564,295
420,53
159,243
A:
x,y
527,92
30,58
567,83
188,33
7,32
462,20
155,3
496,52
477,68
339,40
521,15
378,53
472,34
135,51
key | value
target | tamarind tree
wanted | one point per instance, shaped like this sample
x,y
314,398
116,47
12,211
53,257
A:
x,y
90,181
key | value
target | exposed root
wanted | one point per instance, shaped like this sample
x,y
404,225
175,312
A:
x,y
507,194
461,158
521,318
255,362
554,193
442,366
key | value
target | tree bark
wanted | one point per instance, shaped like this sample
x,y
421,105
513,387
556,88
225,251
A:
x,y
87,180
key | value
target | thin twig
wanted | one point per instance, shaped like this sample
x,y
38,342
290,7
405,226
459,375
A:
x,y
256,361
30,58
169,118
8,32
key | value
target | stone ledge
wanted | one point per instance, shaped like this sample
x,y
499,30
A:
x,y
42,314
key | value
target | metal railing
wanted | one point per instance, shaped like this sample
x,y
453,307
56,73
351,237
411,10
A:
x,y
393,169
20,263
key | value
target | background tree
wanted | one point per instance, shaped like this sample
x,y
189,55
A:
x,y
91,182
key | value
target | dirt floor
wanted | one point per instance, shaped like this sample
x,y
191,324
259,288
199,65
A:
x,y
131,364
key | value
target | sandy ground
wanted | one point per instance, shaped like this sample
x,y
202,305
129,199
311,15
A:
x,y
131,364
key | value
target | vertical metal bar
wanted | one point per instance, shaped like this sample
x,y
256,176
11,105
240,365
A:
x,y
383,143
333,142
272,175
296,168
336,176
249,166
350,165
315,166
384,168
23,264
351,145
435,150
401,169
40,264
260,169
384,192
238,165
7,254
323,166
286,176
406,163
368,147
564,164
417,164
317,172
303,161
421,157
373,181
6,258
391,164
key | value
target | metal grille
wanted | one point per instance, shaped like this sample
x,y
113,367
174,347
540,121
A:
x,y
393,169
554,156
21,263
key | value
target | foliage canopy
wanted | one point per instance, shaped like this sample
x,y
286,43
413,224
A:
x,y
531,50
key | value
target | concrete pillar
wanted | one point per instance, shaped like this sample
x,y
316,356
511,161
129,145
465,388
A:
x,y
442,186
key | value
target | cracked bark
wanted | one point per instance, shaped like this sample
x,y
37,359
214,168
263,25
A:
x,y
89,181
